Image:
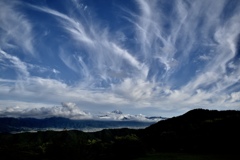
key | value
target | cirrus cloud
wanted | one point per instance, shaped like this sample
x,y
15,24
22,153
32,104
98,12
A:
x,y
148,56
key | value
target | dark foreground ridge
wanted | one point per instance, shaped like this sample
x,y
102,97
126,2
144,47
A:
x,y
210,134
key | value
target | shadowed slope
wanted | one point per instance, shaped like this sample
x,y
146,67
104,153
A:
x,y
198,132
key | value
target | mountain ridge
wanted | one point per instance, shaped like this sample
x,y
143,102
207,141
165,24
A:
x,y
9,124
196,128
197,132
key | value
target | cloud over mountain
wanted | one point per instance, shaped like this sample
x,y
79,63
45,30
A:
x,y
67,110
72,111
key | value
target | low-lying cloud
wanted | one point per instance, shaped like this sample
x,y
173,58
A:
x,y
67,110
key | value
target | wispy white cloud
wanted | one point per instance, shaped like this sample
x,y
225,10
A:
x,y
16,30
13,62
235,97
204,57
73,26
215,72
102,50
22,69
180,59
69,60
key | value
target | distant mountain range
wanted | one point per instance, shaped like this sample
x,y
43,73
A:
x,y
114,119
12,125
118,115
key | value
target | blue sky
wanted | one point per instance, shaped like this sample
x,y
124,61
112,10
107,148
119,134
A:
x,y
154,57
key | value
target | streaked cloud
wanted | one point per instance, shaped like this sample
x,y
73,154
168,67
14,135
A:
x,y
16,30
170,56
13,62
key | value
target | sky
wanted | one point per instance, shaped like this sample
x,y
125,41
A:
x,y
151,57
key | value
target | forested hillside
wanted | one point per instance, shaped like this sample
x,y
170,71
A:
x,y
198,132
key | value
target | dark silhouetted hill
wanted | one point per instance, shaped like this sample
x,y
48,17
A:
x,y
196,131
199,132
